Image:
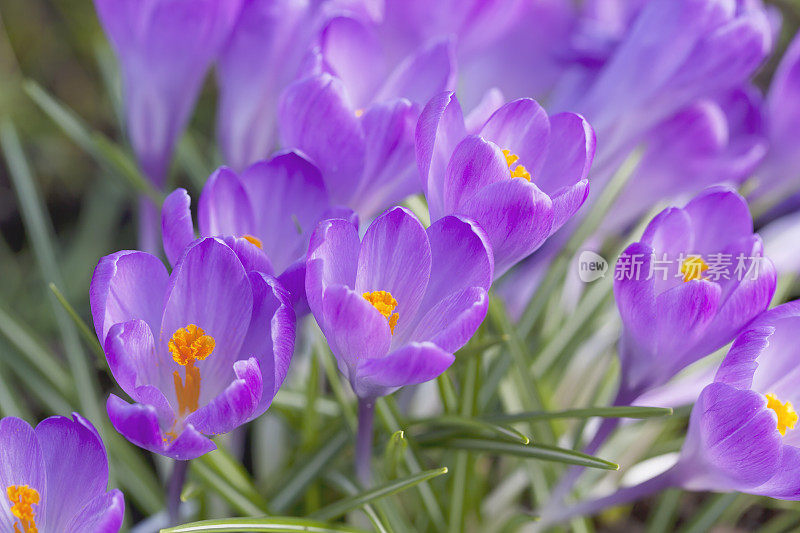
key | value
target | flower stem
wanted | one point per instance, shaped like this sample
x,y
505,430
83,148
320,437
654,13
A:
x,y
557,514
149,226
174,488
366,415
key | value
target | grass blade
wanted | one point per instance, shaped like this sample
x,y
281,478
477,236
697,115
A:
x,y
341,507
542,452
586,412
268,525
474,427
87,334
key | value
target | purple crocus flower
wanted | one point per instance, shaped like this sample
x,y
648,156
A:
x,y
165,48
688,287
200,351
54,478
521,177
354,114
263,56
743,434
397,304
274,205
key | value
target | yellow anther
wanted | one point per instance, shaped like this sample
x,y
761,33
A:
x,y
385,303
787,417
23,498
359,112
253,240
693,267
519,171
188,345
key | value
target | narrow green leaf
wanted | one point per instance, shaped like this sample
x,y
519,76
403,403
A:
x,y
707,516
474,427
586,412
217,483
395,451
40,232
268,525
344,484
97,145
341,507
235,475
534,451
307,470
88,335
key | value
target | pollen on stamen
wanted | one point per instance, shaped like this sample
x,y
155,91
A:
x,y
693,267
385,303
253,240
787,417
23,498
519,171
188,345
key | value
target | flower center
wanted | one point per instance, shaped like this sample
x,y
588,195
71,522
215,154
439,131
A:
x,y
188,345
23,499
385,303
253,240
787,417
693,267
519,171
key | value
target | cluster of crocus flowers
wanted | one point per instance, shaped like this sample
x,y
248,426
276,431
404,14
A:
x,y
201,350
520,175
274,205
54,478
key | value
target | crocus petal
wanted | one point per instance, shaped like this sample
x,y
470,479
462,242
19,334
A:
x,y
133,359
732,442
288,197
252,257
521,126
332,260
453,320
73,457
412,364
491,101
103,514
125,286
439,129
390,172
316,117
271,334
235,405
21,463
785,484
139,424
516,216
567,201
293,280
355,330
395,256
570,153
429,71
352,51
177,229
224,207
262,56
475,164
634,293
209,288
720,215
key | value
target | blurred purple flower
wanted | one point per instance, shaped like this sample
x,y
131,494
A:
x,y
521,177
780,172
396,305
274,205
264,55
688,287
645,61
55,478
355,111
232,332
165,48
